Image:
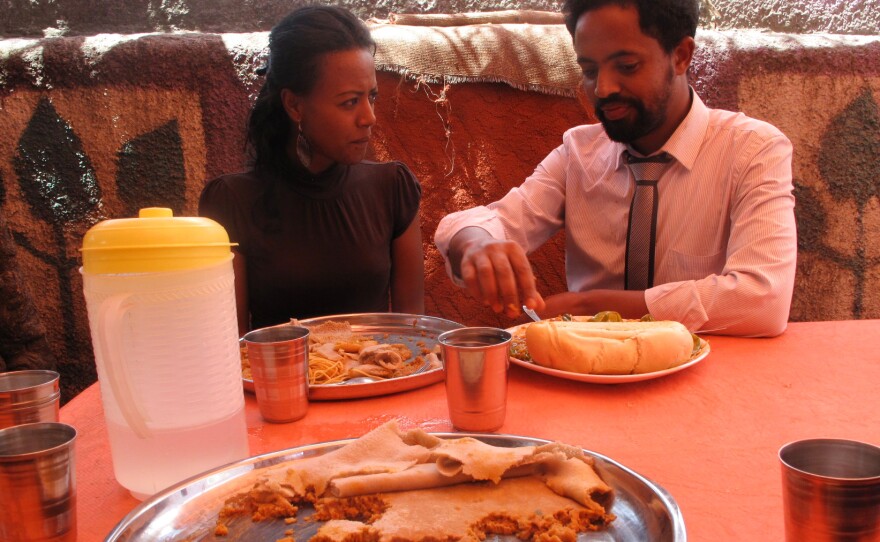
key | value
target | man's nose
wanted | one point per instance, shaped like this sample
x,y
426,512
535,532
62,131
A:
x,y
605,84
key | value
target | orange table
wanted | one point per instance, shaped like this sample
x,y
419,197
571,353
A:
x,y
708,434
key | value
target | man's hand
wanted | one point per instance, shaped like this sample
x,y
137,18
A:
x,y
497,272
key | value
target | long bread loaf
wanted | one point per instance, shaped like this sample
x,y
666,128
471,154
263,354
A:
x,y
613,348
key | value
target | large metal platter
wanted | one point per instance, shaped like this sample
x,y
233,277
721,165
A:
x,y
188,511
414,330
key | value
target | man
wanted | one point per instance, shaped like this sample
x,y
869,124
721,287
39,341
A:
x,y
724,251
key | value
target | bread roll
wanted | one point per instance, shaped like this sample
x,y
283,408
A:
x,y
610,348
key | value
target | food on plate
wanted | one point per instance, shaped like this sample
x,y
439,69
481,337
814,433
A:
x,y
337,354
609,347
245,362
389,485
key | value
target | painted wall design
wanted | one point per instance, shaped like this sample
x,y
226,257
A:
x,y
70,159
92,135
836,129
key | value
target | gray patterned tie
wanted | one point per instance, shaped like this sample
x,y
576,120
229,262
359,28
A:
x,y
642,230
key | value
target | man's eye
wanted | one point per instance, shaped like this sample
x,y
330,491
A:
x,y
628,68
373,97
590,73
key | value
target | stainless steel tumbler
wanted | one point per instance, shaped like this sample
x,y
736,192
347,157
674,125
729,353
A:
x,y
28,397
476,361
279,358
38,483
831,491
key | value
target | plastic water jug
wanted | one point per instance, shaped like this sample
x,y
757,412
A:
x,y
161,303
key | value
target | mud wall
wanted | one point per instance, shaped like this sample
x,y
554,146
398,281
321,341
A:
x,y
97,127
86,17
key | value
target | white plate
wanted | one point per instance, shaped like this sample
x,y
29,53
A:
x,y
607,379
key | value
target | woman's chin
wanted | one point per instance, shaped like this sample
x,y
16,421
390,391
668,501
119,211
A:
x,y
354,157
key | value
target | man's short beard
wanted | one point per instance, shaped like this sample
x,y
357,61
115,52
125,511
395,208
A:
x,y
626,131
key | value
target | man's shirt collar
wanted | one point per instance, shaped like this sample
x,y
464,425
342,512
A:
x,y
684,143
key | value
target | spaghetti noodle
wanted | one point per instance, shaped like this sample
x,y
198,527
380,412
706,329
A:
x,y
326,371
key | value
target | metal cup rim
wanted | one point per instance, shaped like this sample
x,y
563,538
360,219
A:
x,y
502,335
53,377
300,333
70,436
839,441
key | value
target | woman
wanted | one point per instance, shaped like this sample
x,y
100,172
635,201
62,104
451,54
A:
x,y
319,230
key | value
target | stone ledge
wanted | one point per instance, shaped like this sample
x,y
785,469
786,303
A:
x,y
88,17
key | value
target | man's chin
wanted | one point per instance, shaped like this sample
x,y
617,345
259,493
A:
x,y
620,132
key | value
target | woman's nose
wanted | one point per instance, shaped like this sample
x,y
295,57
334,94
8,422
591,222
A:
x,y
367,116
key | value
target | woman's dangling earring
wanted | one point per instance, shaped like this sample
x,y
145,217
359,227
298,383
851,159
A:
x,y
303,149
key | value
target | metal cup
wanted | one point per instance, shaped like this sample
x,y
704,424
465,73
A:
x,y
279,357
831,490
28,397
38,483
476,361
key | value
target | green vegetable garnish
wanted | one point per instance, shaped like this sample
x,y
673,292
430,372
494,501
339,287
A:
x,y
607,316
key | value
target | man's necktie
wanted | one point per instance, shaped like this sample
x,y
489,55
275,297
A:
x,y
642,230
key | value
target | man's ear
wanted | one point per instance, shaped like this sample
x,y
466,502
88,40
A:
x,y
683,54
292,105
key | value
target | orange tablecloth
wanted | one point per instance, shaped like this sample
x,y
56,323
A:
x,y
708,434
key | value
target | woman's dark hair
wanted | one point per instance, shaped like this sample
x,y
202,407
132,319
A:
x,y
667,21
296,47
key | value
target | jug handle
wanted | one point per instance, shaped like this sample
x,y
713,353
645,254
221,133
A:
x,y
110,314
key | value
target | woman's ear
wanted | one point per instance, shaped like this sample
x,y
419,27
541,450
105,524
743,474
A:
x,y
292,105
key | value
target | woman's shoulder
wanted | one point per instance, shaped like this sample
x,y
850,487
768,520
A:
x,y
241,180
393,172
390,167
231,191
233,185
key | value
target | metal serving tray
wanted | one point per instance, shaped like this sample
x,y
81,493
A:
x,y
188,511
413,330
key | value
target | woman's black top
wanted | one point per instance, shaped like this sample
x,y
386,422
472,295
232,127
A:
x,y
315,244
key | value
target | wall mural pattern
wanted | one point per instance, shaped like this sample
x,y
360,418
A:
x,y
63,174
851,171
835,128
59,185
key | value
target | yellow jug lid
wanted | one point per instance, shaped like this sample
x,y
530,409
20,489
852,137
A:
x,y
155,241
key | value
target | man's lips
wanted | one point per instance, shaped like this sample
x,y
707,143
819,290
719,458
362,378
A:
x,y
615,111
